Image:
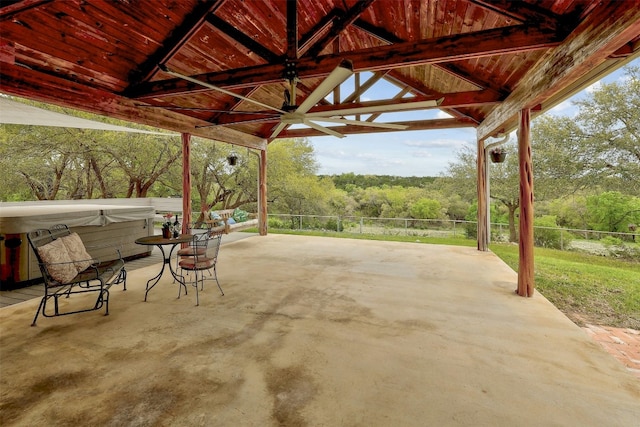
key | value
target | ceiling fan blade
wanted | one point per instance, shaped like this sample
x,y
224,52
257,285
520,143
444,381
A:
x,y
361,123
278,129
323,129
219,89
373,109
341,73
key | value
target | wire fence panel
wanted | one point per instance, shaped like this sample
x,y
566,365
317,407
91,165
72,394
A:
x,y
596,242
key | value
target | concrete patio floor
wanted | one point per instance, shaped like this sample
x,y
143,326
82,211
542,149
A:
x,y
316,331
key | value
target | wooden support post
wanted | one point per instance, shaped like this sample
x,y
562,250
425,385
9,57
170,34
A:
x,y
482,229
186,181
262,197
526,282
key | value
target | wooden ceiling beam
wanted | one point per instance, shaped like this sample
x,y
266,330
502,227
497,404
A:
x,y
523,12
178,38
457,70
377,32
292,30
583,50
364,87
242,38
452,100
354,129
405,90
419,88
498,41
319,30
6,11
339,25
31,84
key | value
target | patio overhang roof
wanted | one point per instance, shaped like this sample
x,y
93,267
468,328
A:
x,y
18,113
485,60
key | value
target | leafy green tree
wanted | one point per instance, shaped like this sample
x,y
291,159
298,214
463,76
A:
x,y
613,211
67,163
570,212
504,181
426,209
293,186
610,119
144,159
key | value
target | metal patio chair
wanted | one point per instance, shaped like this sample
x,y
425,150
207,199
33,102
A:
x,y
206,247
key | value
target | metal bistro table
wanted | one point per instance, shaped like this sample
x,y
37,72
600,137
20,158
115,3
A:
x,y
161,242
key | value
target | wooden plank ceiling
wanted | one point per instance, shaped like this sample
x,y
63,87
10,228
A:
x,y
480,60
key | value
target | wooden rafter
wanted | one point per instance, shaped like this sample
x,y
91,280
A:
x,y
181,36
376,77
339,25
292,30
410,126
523,12
584,49
405,90
498,41
242,38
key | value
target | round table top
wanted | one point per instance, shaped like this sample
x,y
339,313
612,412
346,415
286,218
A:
x,y
159,240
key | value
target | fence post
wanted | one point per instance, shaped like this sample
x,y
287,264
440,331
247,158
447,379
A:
x,y
361,224
338,224
561,240
406,227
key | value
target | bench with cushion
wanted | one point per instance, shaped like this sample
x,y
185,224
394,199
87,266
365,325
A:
x,y
67,269
221,221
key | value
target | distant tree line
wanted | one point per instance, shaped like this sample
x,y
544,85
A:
x,y
341,181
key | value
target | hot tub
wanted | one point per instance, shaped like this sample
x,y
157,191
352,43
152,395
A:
x,y
103,228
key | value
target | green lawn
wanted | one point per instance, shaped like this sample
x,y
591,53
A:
x,y
587,288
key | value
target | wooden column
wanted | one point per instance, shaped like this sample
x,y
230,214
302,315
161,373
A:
x,y
186,181
262,196
483,229
526,282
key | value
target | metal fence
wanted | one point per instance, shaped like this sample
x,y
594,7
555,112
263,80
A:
x,y
597,242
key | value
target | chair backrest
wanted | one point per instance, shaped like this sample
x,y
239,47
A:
x,y
214,245
42,236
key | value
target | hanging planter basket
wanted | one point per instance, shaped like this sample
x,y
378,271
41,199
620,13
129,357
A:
x,y
498,155
232,159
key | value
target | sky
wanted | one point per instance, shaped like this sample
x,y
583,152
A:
x,y
414,153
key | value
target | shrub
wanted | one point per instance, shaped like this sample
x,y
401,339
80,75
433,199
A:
x,y
278,223
332,225
548,235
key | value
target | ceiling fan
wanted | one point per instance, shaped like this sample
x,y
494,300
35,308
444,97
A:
x,y
291,114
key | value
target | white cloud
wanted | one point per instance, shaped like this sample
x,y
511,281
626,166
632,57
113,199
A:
x,y
421,153
443,115
594,87
565,108
435,143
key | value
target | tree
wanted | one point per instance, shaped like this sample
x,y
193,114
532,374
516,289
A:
x,y
613,211
504,182
610,119
426,209
69,163
144,159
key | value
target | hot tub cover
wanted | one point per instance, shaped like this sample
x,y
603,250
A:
x,y
22,219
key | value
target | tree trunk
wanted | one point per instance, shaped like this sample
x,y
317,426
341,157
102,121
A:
x,y
513,236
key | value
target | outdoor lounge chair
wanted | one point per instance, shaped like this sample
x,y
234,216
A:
x,y
68,269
